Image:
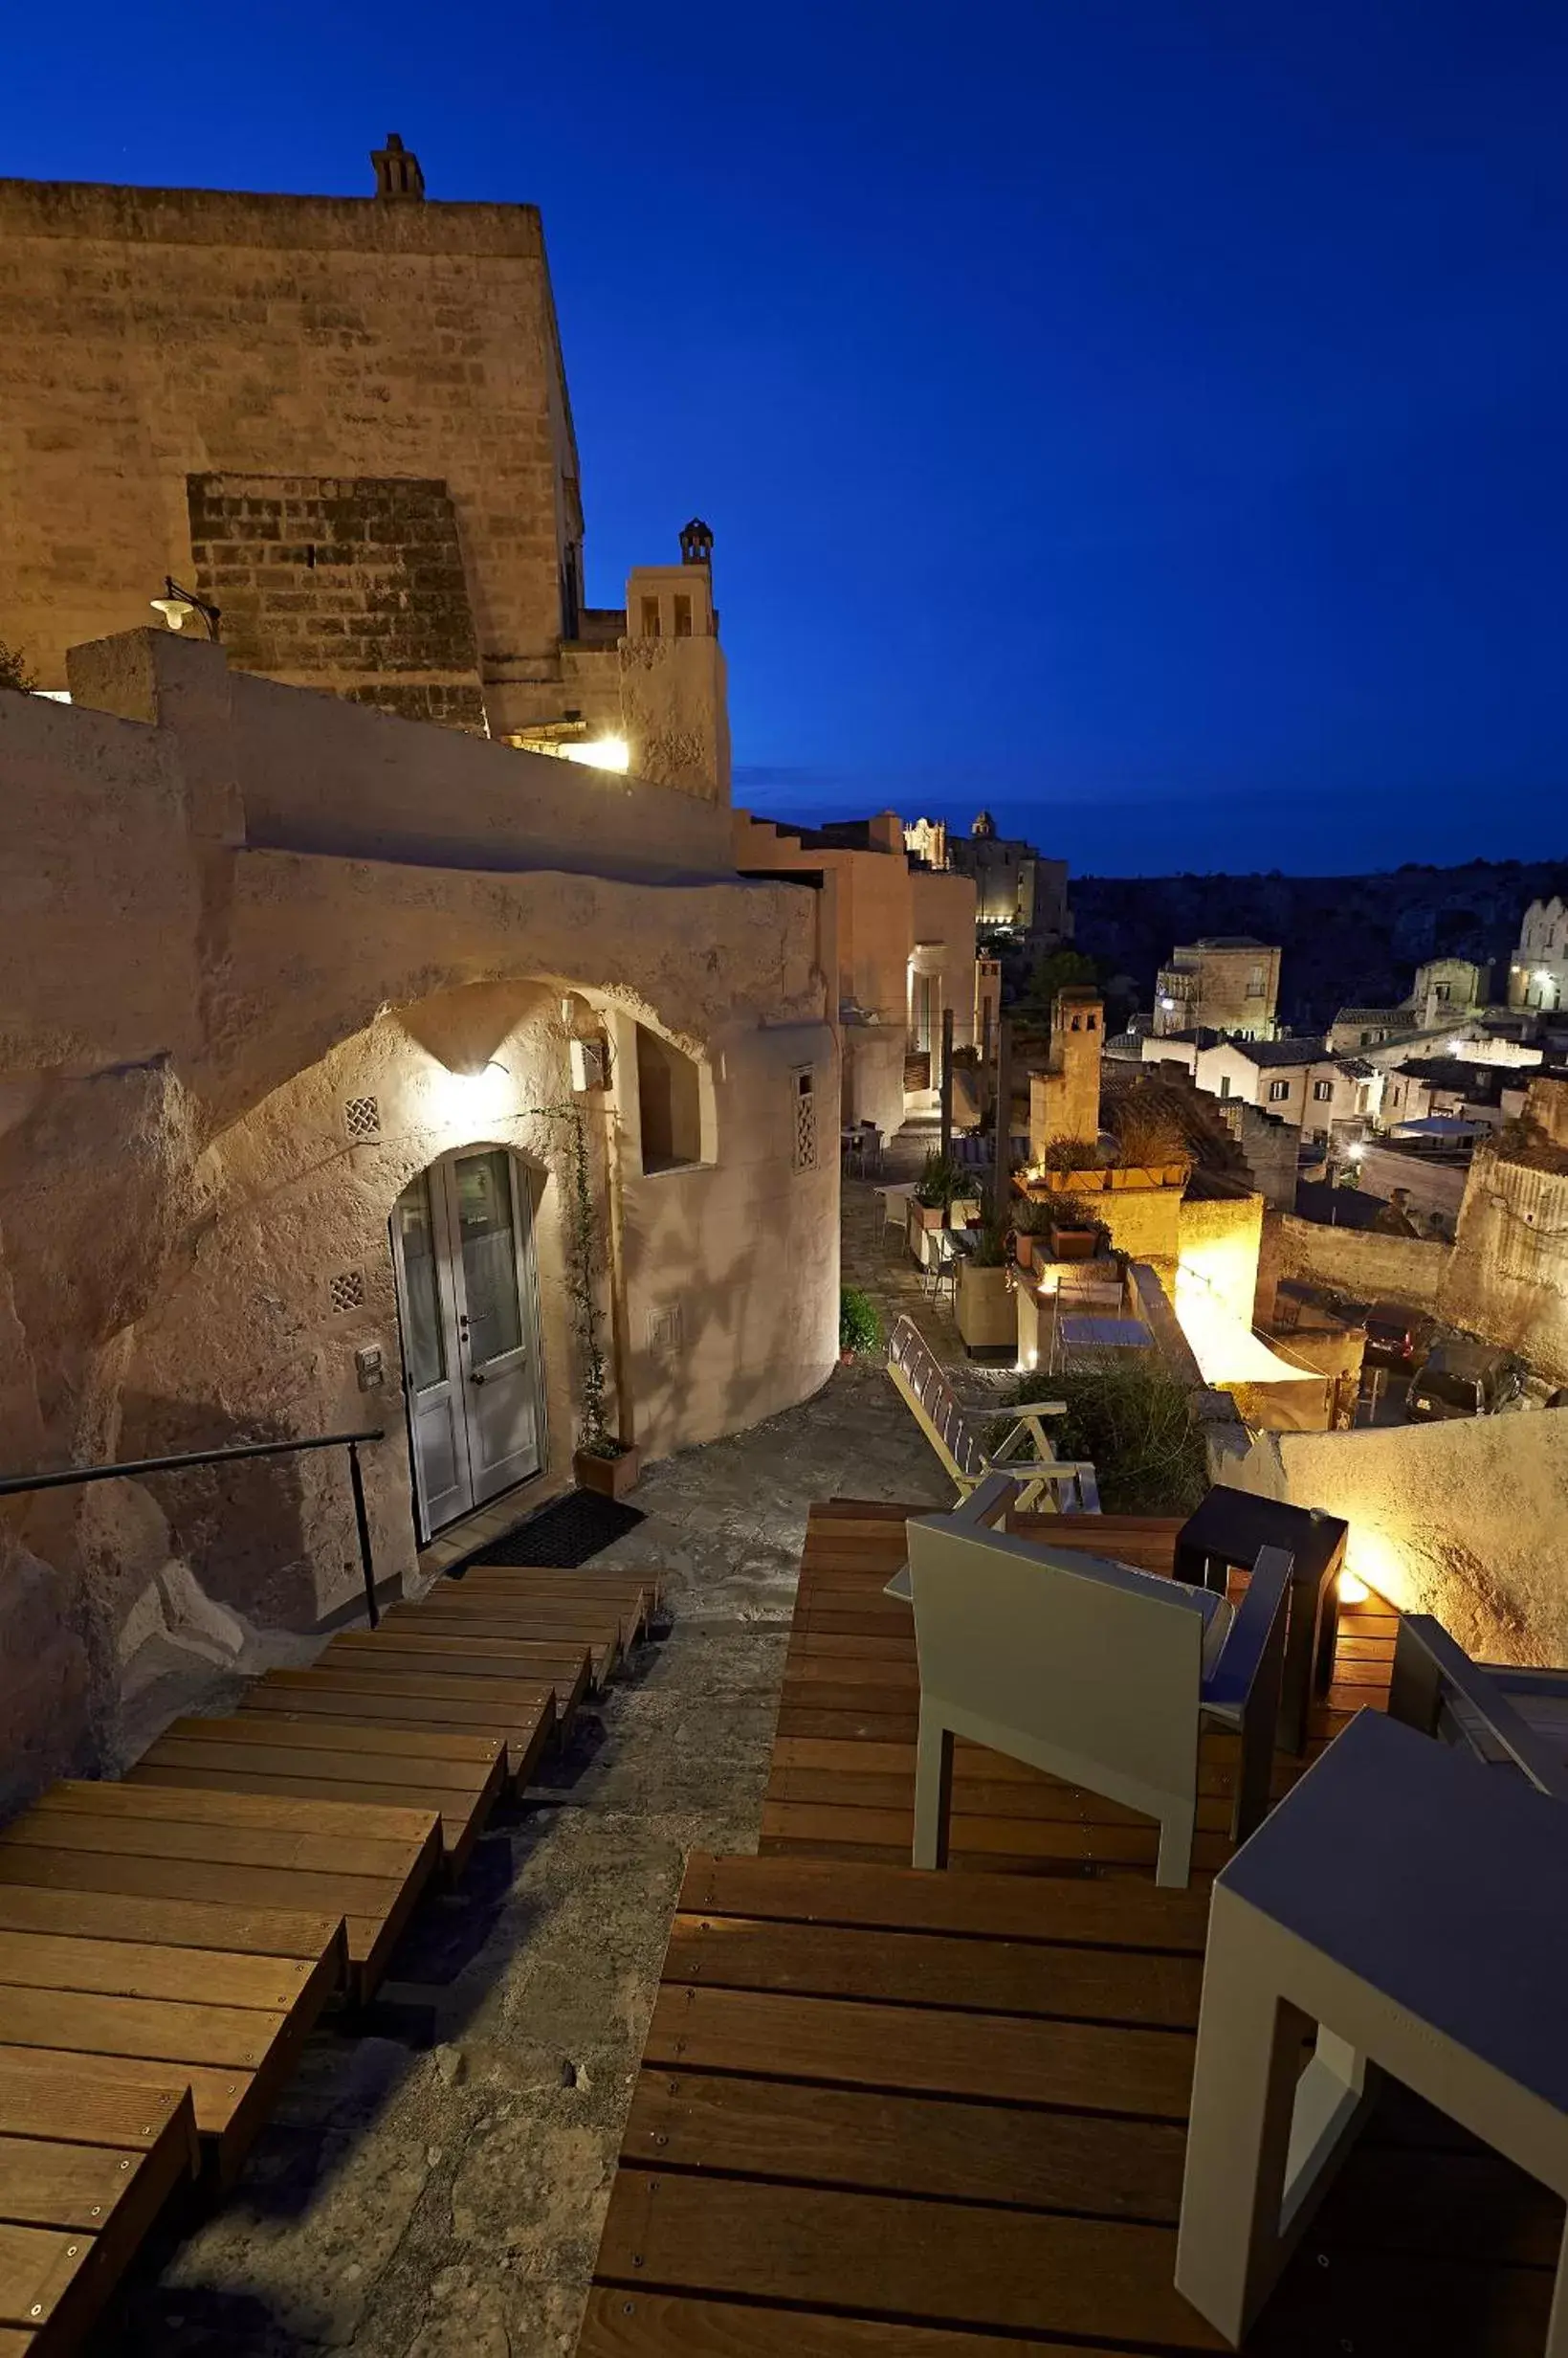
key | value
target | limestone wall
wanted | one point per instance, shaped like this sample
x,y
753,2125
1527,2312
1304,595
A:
x,y
148,335
330,776
186,1016
1466,1519
1374,1268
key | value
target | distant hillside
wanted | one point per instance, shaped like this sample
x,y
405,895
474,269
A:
x,y
1347,939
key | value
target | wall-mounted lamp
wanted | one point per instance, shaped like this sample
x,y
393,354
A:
x,y
177,605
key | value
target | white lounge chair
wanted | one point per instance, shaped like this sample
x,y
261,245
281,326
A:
x,y
1045,1481
1413,1905
1089,1669
1509,1717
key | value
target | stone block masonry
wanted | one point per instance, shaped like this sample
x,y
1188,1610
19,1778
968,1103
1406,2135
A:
x,y
354,584
148,335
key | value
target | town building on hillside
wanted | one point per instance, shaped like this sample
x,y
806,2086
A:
x,y
897,940
1065,1092
1296,1082
1538,974
1017,889
1446,995
1223,983
396,517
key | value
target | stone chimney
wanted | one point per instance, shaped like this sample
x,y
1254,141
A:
x,y
397,172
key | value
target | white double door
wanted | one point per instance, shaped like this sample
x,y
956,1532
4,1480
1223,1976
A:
x,y
462,1247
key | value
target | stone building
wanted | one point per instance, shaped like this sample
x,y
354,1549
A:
x,y
1537,977
314,1022
1065,1092
343,423
1017,889
1222,982
900,937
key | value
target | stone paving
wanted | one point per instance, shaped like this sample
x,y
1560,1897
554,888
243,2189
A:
x,y
433,2186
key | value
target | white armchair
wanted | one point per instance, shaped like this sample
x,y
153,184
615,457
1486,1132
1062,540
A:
x,y
1089,1669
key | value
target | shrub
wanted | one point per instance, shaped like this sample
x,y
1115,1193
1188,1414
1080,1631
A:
x,y
1071,1154
1134,1425
989,1249
859,1328
13,670
940,1179
1147,1136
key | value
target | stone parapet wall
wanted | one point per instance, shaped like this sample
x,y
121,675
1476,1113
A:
x,y
1358,1261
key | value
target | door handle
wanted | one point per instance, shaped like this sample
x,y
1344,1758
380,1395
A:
x,y
474,1378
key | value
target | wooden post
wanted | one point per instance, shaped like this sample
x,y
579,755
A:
x,y
1001,1177
947,1083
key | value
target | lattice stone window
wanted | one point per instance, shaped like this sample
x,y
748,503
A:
x,y
345,1291
362,1118
805,1082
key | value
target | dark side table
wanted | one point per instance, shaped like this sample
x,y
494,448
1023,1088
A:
x,y
1225,1533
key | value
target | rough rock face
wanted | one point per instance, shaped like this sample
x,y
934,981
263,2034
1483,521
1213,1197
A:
x,y
194,1219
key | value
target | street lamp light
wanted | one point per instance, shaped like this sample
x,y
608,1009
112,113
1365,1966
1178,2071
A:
x,y
177,605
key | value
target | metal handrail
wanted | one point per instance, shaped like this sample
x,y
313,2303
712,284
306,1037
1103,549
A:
x,y
17,1485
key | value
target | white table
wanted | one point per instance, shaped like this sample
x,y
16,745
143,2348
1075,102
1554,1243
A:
x,y
1414,1905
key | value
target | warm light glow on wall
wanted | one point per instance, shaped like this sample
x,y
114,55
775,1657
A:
x,y
466,1103
600,753
1224,1347
1352,1590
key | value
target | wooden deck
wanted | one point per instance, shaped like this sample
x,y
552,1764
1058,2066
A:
x,y
884,2114
85,2168
168,1941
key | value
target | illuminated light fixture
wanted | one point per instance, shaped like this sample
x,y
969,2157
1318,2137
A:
x,y
1352,1590
177,605
1357,1155
1167,1005
601,753
1542,976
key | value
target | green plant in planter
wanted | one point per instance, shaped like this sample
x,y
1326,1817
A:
x,y
1071,1154
1033,1216
989,1249
859,1328
940,1179
1072,1212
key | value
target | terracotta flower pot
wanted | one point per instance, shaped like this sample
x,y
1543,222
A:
x,y
607,1478
1074,1244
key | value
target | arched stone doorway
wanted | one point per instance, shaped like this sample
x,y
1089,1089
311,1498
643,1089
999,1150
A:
x,y
466,1283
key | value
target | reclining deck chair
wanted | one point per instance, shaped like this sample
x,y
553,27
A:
x,y
1092,1671
1045,1482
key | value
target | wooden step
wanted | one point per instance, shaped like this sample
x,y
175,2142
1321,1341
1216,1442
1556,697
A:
x,y
227,2023
365,1764
86,2164
567,1669
257,1858
444,1614
521,1714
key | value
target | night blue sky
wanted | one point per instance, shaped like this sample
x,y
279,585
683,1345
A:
x,y
1145,417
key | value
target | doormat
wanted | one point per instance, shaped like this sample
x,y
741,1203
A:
x,y
564,1534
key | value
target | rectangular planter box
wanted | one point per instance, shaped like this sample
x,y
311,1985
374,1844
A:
x,y
1074,1244
608,1478
984,1306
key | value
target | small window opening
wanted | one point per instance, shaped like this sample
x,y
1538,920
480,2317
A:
x,y
669,1104
310,555
683,616
650,619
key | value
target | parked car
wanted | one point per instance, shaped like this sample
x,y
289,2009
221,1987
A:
x,y
1466,1379
1396,1338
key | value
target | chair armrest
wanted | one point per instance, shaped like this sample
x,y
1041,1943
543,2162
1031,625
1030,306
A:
x,y
989,1499
1261,1609
1420,1633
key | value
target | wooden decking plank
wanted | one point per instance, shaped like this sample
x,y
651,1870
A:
x,y
374,1908
133,1969
175,1829
78,2107
73,2212
621,2322
849,2137
923,2051
172,1924
1013,1978
943,2263
362,1750
338,1821
571,1668
459,1815
218,2091
890,1834
155,2028
1121,1914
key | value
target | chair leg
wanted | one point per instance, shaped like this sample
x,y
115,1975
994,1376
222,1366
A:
x,y
932,1792
1173,1867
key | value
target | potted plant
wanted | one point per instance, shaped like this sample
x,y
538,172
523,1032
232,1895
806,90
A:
x,y
1032,1222
859,1328
938,1181
981,1303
